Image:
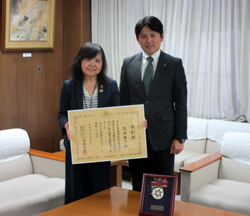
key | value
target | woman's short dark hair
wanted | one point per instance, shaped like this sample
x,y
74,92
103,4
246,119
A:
x,y
150,21
88,50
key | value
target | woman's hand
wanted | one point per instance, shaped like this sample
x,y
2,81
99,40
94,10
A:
x,y
66,126
145,123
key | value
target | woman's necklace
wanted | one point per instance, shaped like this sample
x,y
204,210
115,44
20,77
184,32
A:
x,y
84,99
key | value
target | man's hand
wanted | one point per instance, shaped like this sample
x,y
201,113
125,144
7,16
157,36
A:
x,y
176,147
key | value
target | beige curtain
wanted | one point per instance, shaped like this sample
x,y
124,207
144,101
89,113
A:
x,y
211,37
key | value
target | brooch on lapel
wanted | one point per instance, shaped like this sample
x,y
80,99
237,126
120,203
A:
x,y
101,90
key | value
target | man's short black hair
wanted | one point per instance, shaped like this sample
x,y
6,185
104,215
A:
x,y
150,21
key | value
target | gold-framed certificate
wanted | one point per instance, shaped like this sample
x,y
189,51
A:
x,y
105,134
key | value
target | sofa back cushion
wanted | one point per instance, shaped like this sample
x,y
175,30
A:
x,y
14,154
195,145
235,148
218,128
236,145
212,146
234,170
14,143
16,168
197,133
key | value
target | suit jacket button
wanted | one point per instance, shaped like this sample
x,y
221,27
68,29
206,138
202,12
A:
x,y
146,101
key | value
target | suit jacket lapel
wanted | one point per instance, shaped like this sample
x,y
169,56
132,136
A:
x,y
137,73
160,70
100,94
79,95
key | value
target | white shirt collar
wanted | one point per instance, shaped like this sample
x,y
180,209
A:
x,y
155,56
145,62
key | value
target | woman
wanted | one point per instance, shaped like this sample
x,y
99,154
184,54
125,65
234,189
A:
x,y
88,88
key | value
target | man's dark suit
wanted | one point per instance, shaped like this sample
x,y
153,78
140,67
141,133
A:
x,y
84,179
166,103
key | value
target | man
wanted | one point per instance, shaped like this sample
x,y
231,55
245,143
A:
x,y
160,84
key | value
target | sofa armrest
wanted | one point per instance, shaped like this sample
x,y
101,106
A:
x,y
49,164
48,155
199,173
201,163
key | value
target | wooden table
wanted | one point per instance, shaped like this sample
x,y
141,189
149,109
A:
x,y
116,170
119,201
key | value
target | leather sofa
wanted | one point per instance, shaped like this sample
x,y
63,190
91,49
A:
x,y
221,180
31,181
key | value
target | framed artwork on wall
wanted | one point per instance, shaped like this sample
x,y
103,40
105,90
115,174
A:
x,y
28,25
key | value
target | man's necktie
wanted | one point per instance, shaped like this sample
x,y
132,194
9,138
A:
x,y
148,75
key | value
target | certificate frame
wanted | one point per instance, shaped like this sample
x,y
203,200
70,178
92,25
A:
x,y
157,195
107,134
29,26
